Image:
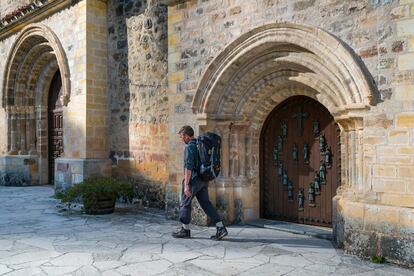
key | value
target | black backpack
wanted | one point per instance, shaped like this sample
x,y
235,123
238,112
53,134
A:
x,y
209,147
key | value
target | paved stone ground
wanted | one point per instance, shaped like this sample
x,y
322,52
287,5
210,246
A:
x,y
35,239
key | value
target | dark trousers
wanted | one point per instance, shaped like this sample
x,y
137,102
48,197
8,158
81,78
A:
x,y
200,191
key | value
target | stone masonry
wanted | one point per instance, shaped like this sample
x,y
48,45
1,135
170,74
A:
x,y
374,206
137,41
134,71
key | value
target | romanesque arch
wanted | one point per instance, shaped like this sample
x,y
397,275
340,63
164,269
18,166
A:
x,y
267,65
35,57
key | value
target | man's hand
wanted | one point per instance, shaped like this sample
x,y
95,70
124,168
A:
x,y
187,177
187,191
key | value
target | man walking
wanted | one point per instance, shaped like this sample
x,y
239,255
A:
x,y
195,186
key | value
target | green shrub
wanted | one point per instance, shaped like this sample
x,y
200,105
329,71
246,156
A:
x,y
93,190
377,259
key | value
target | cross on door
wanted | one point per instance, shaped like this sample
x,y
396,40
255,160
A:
x,y
300,116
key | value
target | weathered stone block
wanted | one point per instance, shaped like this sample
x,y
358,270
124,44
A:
x,y
404,93
361,243
411,42
399,250
405,27
400,12
386,185
406,150
398,200
385,170
404,120
406,171
410,187
406,61
375,140
398,137
381,219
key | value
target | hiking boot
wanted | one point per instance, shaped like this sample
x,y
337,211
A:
x,y
182,234
221,233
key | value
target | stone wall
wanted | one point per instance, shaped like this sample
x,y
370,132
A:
x,y
8,6
380,182
138,100
71,36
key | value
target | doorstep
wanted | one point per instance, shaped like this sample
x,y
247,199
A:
x,y
295,228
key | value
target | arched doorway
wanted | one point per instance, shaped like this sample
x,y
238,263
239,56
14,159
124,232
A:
x,y
36,79
55,123
300,162
257,72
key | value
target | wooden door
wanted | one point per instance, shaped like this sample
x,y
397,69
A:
x,y
300,162
55,123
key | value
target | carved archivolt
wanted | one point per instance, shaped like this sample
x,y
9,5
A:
x,y
34,58
269,64
273,62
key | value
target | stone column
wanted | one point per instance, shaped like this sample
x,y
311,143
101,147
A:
x,y
225,149
249,155
234,154
31,132
242,151
18,130
23,134
13,129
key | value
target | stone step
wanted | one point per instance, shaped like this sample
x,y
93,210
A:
x,y
295,228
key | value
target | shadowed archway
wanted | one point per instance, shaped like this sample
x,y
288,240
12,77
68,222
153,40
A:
x,y
34,59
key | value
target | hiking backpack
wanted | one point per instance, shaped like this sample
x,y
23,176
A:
x,y
209,147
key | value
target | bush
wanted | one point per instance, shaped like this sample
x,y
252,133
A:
x,y
94,191
378,259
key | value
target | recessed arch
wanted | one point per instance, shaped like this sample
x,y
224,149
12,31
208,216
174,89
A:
x,y
33,40
298,46
261,69
35,57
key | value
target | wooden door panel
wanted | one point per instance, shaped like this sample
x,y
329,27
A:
x,y
298,114
55,123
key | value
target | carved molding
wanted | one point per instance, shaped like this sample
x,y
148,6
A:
x,y
34,16
307,59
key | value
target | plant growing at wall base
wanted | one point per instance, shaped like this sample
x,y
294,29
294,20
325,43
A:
x,y
99,194
377,259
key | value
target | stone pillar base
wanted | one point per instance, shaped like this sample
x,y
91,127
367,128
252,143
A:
x,y
69,171
367,229
19,170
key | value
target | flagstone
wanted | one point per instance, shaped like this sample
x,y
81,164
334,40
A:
x,y
136,242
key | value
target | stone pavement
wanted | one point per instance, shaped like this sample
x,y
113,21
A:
x,y
35,239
